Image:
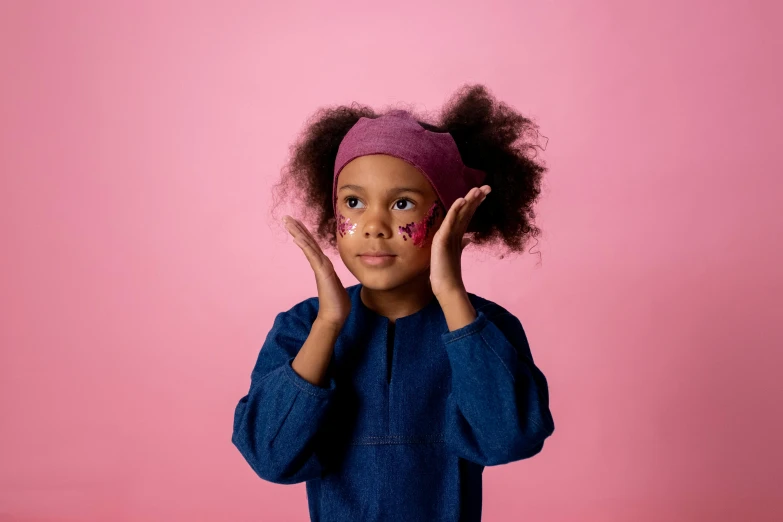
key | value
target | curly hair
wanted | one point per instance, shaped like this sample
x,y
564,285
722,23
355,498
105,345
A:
x,y
490,136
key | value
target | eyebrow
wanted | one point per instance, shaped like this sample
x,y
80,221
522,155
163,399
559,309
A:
x,y
396,190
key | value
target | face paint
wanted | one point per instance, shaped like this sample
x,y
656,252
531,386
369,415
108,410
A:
x,y
419,232
343,225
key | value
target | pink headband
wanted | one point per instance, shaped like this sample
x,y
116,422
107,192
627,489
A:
x,y
398,134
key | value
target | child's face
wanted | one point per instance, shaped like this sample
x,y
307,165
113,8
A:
x,y
375,214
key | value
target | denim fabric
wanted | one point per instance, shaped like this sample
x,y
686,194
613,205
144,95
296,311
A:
x,y
400,436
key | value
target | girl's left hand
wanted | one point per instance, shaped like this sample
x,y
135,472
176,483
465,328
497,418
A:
x,y
448,243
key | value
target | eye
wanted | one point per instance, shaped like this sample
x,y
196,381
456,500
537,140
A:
x,y
403,200
349,199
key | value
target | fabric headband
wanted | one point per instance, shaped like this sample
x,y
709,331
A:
x,y
397,133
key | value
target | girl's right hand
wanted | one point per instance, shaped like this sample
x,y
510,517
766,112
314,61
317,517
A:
x,y
334,305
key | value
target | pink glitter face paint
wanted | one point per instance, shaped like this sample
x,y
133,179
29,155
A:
x,y
344,225
419,232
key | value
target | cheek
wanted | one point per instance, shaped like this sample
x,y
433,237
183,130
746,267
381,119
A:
x,y
419,231
344,225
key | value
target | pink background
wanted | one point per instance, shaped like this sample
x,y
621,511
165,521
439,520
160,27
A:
x,y
141,269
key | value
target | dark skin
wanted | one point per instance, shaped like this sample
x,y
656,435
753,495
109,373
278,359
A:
x,y
370,197
366,195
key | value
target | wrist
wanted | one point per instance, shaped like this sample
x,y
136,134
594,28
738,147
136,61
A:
x,y
327,326
458,310
452,298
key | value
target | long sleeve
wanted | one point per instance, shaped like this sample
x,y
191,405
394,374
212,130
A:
x,y
276,424
498,407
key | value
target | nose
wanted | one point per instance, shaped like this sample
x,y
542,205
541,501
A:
x,y
376,224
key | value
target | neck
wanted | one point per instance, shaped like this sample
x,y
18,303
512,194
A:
x,y
400,301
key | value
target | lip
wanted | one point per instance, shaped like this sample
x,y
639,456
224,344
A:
x,y
377,258
377,253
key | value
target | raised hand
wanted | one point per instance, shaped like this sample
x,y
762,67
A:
x,y
334,305
448,243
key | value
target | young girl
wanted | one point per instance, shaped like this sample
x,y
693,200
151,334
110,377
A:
x,y
389,397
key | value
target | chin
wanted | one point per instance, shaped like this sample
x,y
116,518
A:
x,y
386,279
378,279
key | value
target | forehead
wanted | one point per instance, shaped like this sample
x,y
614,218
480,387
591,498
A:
x,y
381,171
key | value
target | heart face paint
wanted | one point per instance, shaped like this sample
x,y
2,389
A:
x,y
343,226
419,232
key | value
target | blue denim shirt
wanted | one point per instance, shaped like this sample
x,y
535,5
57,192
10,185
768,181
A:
x,y
411,415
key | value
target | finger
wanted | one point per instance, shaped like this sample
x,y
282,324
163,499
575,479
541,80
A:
x,y
318,262
309,251
306,235
296,230
459,215
473,199
447,226
307,232
479,194
304,240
